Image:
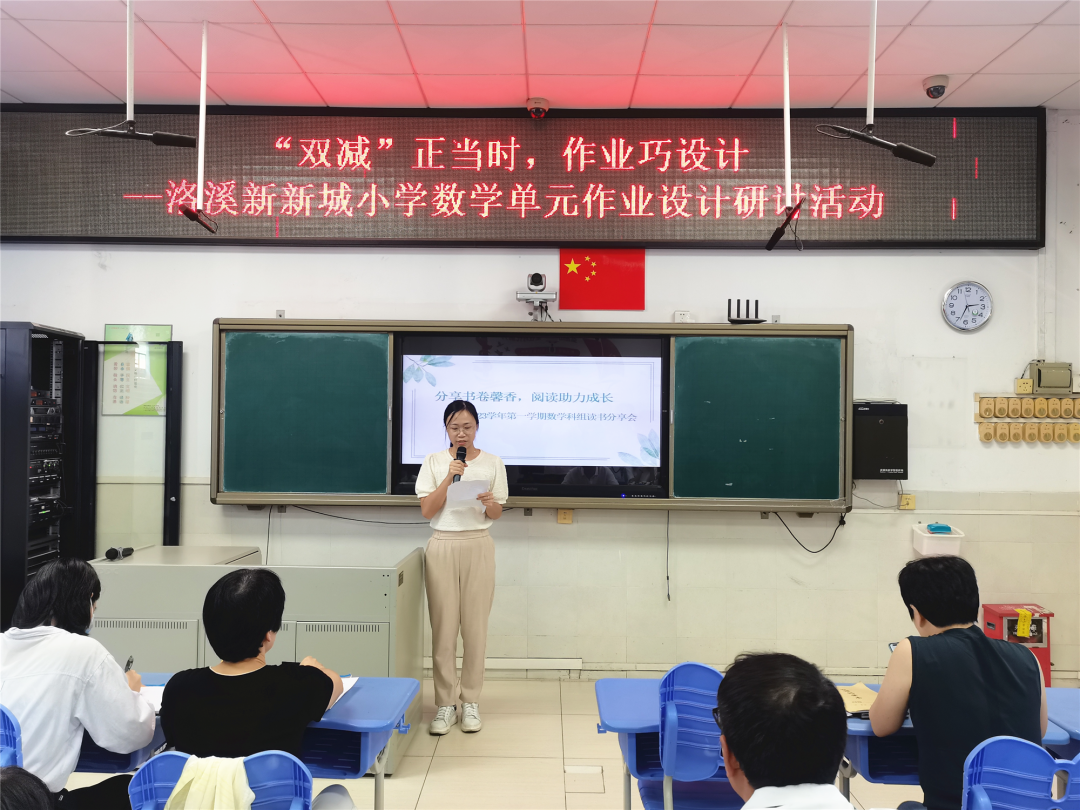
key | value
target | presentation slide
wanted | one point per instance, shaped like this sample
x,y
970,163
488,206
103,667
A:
x,y
538,411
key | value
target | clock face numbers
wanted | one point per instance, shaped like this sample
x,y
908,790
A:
x,y
967,306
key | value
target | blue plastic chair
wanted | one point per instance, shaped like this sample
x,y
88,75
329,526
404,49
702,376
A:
x,y
689,745
1006,772
10,739
279,781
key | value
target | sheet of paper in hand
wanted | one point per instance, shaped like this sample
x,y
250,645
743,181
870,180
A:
x,y
462,495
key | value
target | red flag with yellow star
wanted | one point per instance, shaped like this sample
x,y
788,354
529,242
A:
x,y
592,278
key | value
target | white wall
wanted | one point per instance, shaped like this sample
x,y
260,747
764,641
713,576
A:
x,y
595,589
903,348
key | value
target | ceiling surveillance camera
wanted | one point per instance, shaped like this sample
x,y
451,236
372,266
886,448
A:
x,y
536,282
935,86
537,107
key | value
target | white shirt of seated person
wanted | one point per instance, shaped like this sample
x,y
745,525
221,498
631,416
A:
x,y
57,684
795,797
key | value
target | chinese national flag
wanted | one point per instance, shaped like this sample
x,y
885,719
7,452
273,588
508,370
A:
x,y
591,278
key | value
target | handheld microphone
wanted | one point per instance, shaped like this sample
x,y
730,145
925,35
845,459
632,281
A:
x,y
195,215
119,552
779,232
900,150
461,453
171,139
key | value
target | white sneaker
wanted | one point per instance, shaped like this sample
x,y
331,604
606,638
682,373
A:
x,y
446,717
470,717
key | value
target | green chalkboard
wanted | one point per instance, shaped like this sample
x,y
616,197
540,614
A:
x,y
758,417
305,412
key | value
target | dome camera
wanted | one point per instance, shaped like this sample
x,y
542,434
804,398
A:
x,y
935,86
537,107
536,282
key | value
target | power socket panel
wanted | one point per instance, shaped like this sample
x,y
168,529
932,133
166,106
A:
x,y
565,516
907,501
1024,386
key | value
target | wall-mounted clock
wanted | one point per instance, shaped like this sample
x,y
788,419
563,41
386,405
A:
x,y
967,306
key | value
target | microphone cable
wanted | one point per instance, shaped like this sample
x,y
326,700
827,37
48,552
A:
x,y
667,554
269,515
839,523
364,520
380,522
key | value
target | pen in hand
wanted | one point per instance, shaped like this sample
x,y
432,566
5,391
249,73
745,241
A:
x,y
130,661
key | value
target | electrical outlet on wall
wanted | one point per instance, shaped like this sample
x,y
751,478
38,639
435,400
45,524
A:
x,y
1024,386
907,501
682,316
565,516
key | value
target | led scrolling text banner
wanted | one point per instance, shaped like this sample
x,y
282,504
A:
x,y
675,181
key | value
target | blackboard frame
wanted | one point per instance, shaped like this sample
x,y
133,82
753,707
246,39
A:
x,y
842,332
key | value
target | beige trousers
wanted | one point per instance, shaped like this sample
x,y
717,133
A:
x,y
460,577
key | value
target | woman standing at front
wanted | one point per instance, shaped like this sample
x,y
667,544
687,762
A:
x,y
460,565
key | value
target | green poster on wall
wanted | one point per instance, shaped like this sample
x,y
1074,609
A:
x,y
133,380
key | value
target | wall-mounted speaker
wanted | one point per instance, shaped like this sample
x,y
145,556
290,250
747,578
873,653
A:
x,y
879,442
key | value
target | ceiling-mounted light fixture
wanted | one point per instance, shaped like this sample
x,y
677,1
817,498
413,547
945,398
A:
x,y
866,134
126,129
792,211
198,214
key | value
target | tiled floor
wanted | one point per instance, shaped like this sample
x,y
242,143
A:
x,y
532,730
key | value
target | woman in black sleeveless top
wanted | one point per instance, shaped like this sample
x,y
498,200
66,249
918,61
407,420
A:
x,y
961,687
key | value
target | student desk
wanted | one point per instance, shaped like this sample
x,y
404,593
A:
x,y
95,759
630,707
1063,708
894,760
351,737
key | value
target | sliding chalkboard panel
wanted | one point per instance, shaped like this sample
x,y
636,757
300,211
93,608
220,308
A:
x,y
758,418
305,412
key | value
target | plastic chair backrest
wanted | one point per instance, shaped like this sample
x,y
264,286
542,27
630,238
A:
x,y
10,739
1009,772
279,781
689,738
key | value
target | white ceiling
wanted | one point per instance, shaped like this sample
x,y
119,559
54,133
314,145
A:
x,y
576,53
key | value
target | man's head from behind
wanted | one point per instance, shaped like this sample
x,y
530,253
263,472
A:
x,y
782,723
942,591
242,613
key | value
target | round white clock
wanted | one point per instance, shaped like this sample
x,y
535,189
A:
x,y
967,306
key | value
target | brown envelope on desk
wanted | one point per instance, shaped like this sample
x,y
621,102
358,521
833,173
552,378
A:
x,y
857,698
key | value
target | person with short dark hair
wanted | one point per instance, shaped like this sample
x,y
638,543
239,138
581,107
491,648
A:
x,y
782,732
243,706
960,686
21,790
59,682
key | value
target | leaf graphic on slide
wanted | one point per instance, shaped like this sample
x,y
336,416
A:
x,y
632,461
425,358
654,441
440,360
430,377
650,454
413,373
